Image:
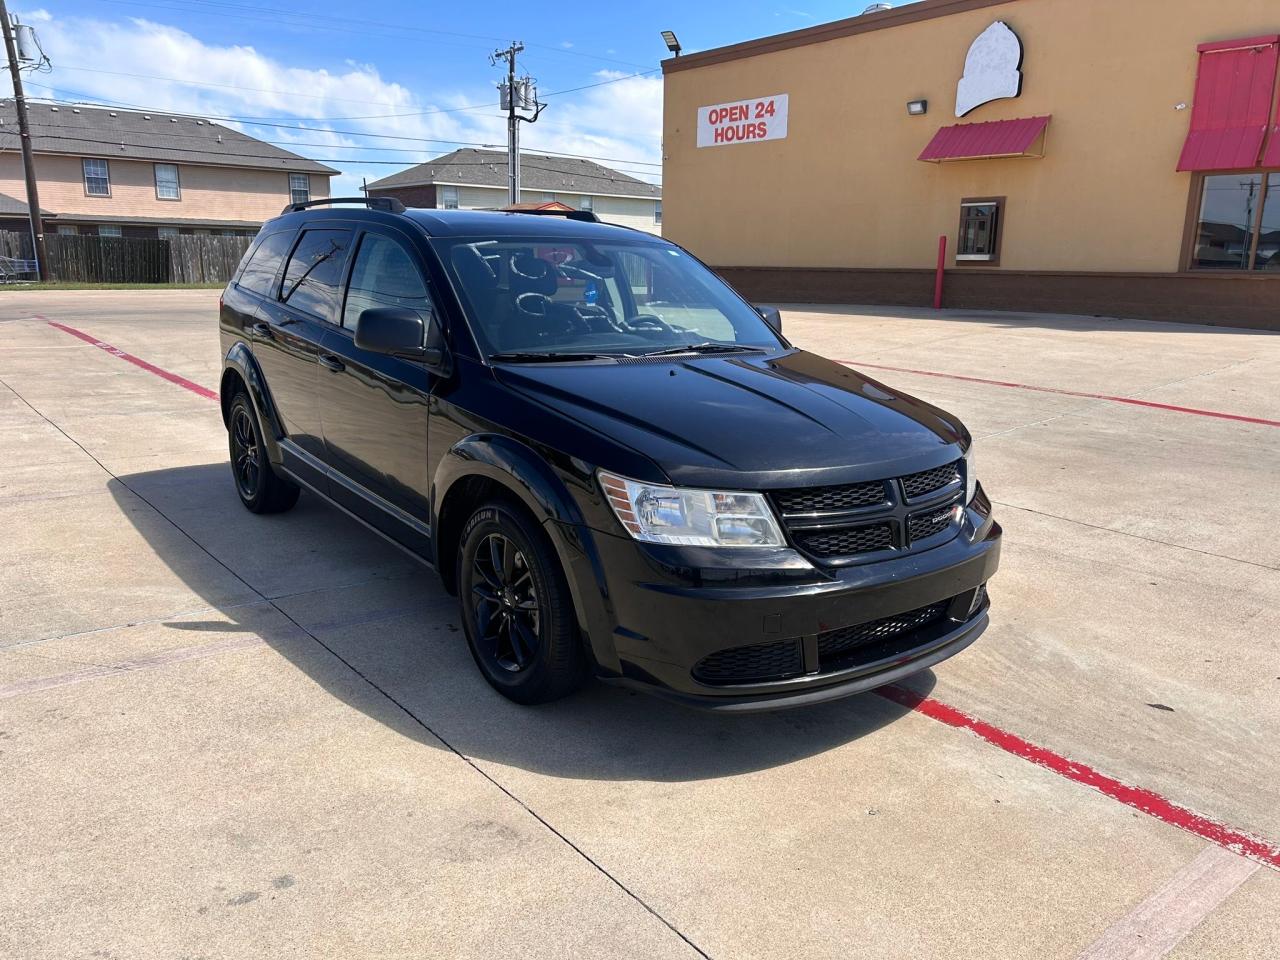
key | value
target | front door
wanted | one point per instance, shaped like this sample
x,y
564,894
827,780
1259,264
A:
x,y
373,406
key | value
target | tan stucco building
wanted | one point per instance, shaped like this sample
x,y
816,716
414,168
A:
x,y
818,175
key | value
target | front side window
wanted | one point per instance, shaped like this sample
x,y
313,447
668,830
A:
x,y
97,177
314,272
1239,223
167,186
384,275
449,198
299,187
980,222
558,296
263,264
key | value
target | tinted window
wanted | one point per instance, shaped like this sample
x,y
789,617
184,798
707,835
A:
x,y
314,272
264,263
384,275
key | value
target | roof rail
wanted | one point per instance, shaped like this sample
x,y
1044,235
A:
x,y
389,204
586,216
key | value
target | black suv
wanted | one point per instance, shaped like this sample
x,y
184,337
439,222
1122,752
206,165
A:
x,y
617,464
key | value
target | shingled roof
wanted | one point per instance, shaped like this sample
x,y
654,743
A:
x,y
136,135
471,167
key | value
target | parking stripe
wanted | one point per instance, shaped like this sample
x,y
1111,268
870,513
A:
x,y
1152,804
1194,411
1262,851
1163,920
136,361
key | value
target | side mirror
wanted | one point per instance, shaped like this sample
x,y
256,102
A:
x,y
771,316
400,332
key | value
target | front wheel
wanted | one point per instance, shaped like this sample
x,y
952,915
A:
x,y
261,489
516,607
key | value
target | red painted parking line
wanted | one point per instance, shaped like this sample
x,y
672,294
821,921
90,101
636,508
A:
x,y
136,361
1255,848
1195,411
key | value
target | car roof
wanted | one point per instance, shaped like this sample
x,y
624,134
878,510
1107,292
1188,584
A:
x,y
480,223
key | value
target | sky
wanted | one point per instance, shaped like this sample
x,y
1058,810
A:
x,y
373,88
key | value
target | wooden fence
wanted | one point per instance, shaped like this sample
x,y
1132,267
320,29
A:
x,y
89,259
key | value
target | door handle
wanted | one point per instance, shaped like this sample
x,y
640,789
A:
x,y
262,330
332,362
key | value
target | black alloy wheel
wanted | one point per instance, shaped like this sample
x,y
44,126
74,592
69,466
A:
x,y
261,489
504,602
244,453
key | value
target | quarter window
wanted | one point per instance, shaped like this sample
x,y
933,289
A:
x,y
97,177
449,198
314,272
384,275
1239,223
980,223
263,264
167,186
299,187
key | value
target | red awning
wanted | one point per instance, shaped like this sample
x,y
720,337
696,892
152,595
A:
x,y
1234,92
985,141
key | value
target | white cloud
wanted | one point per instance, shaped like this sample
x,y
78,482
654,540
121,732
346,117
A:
x,y
621,119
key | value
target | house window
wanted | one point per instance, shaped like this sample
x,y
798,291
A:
x,y
587,203
108,230
167,233
167,187
299,187
980,223
449,198
97,179
67,230
1238,227
657,212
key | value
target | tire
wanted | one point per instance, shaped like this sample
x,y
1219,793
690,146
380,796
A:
x,y
516,609
261,489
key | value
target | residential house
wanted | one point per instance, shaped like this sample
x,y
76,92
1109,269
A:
x,y
473,179
113,172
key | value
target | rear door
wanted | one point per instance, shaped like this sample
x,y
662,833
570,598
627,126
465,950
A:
x,y
374,407
288,334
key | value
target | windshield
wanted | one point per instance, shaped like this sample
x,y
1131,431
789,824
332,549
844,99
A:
x,y
531,297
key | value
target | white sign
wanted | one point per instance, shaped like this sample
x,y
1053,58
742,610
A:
x,y
743,121
992,70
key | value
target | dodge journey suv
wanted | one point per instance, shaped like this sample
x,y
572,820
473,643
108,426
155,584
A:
x,y
619,466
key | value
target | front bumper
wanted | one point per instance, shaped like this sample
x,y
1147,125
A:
x,y
665,618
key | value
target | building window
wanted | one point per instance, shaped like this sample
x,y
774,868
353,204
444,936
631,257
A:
x,y
167,233
449,198
97,179
167,187
1238,226
108,230
657,212
299,187
67,230
980,223
587,203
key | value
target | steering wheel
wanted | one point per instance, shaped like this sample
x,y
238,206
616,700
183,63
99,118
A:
x,y
646,323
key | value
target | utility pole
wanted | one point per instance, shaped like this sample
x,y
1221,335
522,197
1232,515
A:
x,y
515,95
24,136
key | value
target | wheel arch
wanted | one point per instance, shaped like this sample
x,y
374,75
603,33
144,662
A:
x,y
241,370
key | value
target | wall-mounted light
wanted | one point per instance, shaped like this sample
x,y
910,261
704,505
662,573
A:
x,y
669,38
917,108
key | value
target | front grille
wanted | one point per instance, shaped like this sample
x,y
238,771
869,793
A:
x,y
835,644
849,496
922,484
760,663
922,525
849,541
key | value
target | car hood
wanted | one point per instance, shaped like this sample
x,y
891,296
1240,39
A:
x,y
750,420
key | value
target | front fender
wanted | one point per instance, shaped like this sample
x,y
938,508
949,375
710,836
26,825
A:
x,y
240,362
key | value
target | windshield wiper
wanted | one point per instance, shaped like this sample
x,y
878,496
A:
x,y
706,347
547,357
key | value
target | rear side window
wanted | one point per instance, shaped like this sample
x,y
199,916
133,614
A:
x,y
264,263
314,273
384,275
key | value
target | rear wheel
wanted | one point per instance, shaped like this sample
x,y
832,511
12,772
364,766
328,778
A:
x,y
261,489
516,607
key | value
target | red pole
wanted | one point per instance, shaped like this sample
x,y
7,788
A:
x,y
942,266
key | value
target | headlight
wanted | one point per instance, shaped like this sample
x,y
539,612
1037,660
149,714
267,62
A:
x,y
970,475
705,518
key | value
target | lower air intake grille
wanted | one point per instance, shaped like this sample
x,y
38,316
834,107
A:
x,y
849,541
838,643
760,663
